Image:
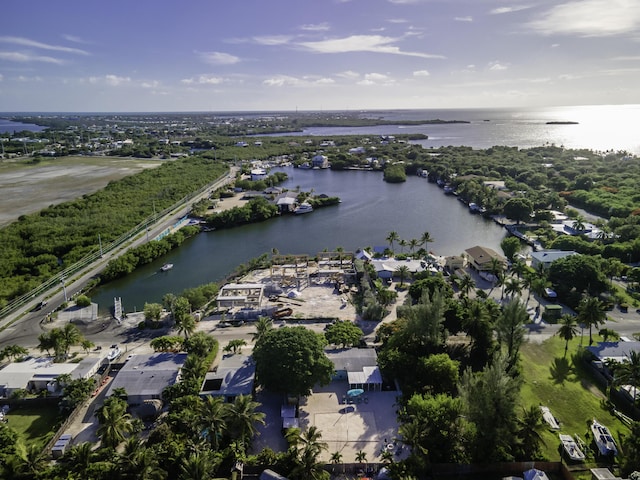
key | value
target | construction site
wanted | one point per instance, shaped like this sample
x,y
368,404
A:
x,y
294,287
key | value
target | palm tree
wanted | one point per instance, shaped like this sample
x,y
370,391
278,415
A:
x,y
361,456
87,345
391,238
197,466
185,324
29,461
403,243
139,462
591,312
308,447
628,373
526,282
79,458
402,271
607,333
519,268
263,325
426,239
530,432
212,416
568,330
466,284
413,243
512,287
538,286
235,345
70,335
242,418
336,458
496,269
115,422
578,223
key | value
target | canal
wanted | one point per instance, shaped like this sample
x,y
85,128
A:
x,y
370,209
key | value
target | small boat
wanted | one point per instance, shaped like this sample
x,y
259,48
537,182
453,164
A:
x,y
475,208
303,208
448,189
166,267
603,439
571,448
549,418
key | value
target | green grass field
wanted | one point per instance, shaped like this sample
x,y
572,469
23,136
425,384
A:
x,y
35,425
567,389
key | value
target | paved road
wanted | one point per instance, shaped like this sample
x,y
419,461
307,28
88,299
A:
x,y
24,326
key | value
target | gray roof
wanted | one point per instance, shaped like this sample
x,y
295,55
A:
x,y
548,256
234,376
353,359
148,375
618,351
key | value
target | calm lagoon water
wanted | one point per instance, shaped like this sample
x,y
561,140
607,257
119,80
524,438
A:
x,y
370,209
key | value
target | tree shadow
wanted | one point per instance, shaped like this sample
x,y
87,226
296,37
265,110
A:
x,y
560,370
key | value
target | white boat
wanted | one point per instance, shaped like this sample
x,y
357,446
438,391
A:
x,y
303,208
549,418
571,448
166,267
603,439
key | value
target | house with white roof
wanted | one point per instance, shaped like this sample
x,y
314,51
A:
x,y
544,258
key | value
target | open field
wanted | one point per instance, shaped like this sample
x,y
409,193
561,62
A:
x,y
564,387
27,188
35,425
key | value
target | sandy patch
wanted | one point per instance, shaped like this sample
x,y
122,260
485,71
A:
x,y
28,189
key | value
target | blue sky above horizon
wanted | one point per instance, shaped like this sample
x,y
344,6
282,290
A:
x,y
208,55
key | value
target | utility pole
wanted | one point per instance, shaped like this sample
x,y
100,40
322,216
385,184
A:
x,y
64,289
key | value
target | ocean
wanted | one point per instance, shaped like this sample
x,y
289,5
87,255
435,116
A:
x,y
599,127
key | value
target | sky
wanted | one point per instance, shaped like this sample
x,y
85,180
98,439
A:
x,y
265,55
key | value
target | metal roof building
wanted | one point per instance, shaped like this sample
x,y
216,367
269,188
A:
x,y
145,376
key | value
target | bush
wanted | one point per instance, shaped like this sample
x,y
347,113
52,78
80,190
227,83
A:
x,y
83,301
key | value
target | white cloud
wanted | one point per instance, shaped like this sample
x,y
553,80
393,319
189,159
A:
x,y
111,80
627,58
151,84
468,18
272,40
421,73
75,39
590,18
376,79
404,2
306,81
26,42
324,81
496,66
203,80
218,58
398,20
27,58
514,8
24,79
349,74
362,43
315,27
281,81
115,80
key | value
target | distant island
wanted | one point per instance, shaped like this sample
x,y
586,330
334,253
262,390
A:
x,y
562,123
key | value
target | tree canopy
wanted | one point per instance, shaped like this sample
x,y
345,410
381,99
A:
x,y
292,360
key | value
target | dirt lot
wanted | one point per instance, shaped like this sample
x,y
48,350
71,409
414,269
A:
x,y
28,188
